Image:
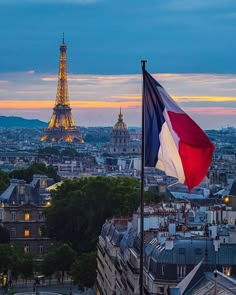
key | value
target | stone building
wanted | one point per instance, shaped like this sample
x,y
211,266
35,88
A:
x,y
24,223
171,255
120,139
22,213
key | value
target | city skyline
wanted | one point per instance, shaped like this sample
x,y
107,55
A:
x,y
187,43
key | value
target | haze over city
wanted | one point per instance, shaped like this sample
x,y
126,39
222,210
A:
x,y
189,46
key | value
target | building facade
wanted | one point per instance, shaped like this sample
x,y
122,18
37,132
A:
x,y
24,223
120,139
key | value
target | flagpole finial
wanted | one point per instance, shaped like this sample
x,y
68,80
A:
x,y
143,62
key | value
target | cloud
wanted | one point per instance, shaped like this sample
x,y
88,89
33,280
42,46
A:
x,y
96,99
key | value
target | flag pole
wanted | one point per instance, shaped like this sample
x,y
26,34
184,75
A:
x,y
143,62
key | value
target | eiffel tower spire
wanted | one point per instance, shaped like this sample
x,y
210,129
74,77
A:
x,y
61,126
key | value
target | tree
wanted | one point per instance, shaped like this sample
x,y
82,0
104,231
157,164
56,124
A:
x,y
85,204
49,150
70,152
48,263
35,168
58,259
4,235
6,257
26,265
4,180
83,270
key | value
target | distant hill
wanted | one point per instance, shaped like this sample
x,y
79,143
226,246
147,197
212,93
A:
x,y
18,122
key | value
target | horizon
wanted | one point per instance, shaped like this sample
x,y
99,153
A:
x,y
105,42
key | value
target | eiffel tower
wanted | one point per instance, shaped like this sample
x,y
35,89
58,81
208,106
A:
x,y
61,126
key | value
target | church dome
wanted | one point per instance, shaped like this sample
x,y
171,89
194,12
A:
x,y
120,124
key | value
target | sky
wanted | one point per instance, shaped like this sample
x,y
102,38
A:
x,y
190,47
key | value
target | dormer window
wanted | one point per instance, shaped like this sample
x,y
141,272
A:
x,y
21,189
43,183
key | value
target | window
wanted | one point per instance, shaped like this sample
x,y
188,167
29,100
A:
x,y
40,249
163,269
12,232
198,251
13,216
181,251
26,232
26,248
21,189
227,270
39,231
181,271
43,183
40,215
27,216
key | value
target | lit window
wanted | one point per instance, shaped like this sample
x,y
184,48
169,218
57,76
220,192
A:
x,y
27,216
40,232
27,232
227,270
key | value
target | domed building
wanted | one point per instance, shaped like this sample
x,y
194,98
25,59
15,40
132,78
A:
x,y
120,138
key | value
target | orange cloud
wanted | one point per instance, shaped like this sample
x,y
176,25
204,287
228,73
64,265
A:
x,y
204,98
46,104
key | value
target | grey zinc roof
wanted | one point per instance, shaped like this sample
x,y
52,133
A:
x,y
191,251
5,196
185,251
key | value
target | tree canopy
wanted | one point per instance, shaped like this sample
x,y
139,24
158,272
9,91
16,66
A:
x,y
4,235
80,207
4,180
83,270
35,168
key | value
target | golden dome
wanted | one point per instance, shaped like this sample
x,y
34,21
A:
x,y
120,124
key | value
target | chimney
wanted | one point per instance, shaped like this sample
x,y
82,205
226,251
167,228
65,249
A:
x,y
216,243
129,225
169,243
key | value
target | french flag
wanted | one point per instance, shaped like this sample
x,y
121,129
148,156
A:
x,y
173,142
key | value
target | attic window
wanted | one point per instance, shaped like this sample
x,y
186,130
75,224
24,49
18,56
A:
x,y
181,250
198,251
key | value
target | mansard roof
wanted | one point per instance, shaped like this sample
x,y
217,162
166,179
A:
x,y
31,193
190,252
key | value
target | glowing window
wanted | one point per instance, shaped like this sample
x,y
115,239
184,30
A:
x,y
40,232
227,270
27,232
27,216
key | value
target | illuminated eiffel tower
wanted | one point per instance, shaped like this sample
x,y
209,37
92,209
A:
x,y
62,126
